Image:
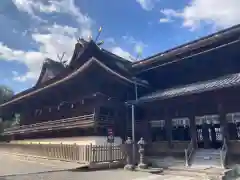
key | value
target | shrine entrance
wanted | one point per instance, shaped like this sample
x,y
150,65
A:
x,y
233,120
158,130
181,129
209,133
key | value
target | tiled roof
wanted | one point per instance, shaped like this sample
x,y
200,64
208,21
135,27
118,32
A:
x,y
50,69
196,44
199,87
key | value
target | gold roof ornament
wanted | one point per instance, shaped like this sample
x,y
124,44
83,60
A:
x,y
98,35
100,43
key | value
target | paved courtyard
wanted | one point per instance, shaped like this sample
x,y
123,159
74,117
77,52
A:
x,y
14,167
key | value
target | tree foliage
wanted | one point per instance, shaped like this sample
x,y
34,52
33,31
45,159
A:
x,y
5,93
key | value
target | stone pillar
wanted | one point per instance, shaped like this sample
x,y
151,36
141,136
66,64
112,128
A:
x,y
129,158
141,145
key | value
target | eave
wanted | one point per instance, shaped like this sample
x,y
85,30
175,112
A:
x,y
227,81
86,65
170,55
50,65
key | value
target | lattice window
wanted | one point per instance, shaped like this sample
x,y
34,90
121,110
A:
x,y
209,119
181,121
199,120
157,123
199,135
236,117
219,136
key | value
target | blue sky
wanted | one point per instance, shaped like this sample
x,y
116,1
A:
x,y
34,29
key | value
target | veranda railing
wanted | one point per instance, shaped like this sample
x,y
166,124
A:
x,y
78,121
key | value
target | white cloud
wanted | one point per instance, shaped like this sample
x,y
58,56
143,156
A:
x,y
122,53
138,46
30,6
15,73
219,13
110,40
146,4
68,7
52,44
32,59
62,29
164,20
55,40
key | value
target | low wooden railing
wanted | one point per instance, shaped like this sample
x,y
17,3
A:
x,y
188,152
84,154
79,121
223,153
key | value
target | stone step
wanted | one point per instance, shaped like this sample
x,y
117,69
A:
x,y
202,155
207,164
199,152
185,173
210,153
207,157
166,162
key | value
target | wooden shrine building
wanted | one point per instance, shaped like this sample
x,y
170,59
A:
x,y
184,98
83,98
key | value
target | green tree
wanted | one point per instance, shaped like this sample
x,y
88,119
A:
x,y
5,93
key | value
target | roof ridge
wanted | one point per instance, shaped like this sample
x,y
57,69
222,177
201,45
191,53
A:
x,y
191,43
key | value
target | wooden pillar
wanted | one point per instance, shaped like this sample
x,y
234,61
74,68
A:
x,y
168,124
193,130
96,112
223,121
147,130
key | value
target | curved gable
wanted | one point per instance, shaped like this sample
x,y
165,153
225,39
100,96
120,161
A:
x,y
50,69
